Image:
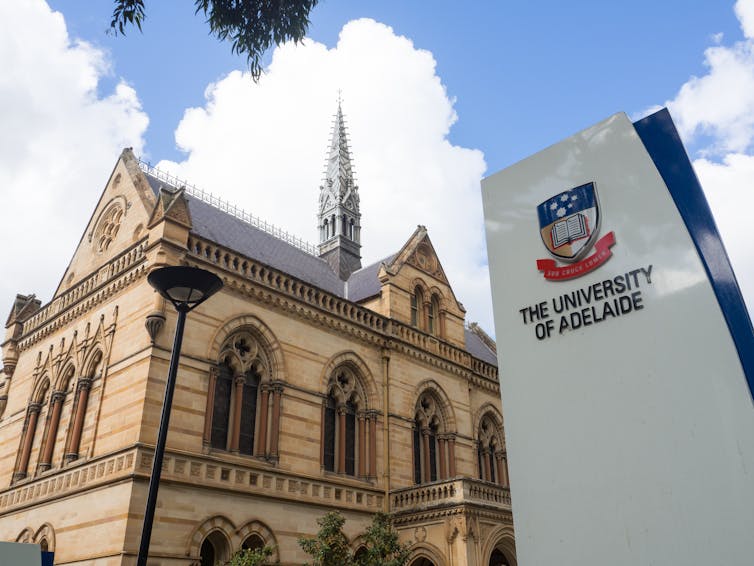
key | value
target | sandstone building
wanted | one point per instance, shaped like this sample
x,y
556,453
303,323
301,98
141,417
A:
x,y
309,383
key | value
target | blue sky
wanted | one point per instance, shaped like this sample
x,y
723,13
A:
x,y
437,95
523,74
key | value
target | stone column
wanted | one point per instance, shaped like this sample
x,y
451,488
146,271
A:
x,y
84,385
443,468
277,393
373,445
425,451
499,468
262,441
235,435
210,407
505,480
425,317
342,439
45,461
452,456
31,428
362,445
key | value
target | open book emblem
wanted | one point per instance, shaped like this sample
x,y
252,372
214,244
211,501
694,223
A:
x,y
569,222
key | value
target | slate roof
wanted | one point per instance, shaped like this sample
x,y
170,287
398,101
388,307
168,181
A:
x,y
479,349
364,283
235,234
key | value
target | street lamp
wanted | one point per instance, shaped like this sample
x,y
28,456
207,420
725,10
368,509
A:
x,y
186,288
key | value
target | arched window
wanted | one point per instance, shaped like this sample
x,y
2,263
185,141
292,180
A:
x,y
326,230
215,549
57,399
253,542
350,229
491,456
433,445
238,402
434,311
417,307
348,428
360,554
80,403
33,411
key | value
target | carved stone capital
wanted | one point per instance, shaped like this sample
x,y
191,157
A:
x,y
35,407
58,396
84,383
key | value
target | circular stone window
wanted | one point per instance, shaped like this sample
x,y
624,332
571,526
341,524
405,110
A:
x,y
108,227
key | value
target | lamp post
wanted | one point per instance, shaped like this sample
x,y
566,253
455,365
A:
x,y
186,288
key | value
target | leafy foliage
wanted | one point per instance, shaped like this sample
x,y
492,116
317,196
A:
x,y
251,557
382,546
251,25
127,12
330,546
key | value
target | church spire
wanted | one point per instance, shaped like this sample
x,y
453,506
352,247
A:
x,y
339,217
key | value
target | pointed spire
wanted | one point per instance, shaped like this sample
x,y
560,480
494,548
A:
x,y
339,217
339,174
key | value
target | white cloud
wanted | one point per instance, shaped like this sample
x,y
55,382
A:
x,y
715,116
263,146
58,147
745,12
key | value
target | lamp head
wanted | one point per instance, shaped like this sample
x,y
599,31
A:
x,y
185,287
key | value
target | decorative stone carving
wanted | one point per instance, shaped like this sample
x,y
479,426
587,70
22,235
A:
x,y
154,323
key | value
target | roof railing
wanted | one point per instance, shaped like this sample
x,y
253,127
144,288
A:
x,y
230,208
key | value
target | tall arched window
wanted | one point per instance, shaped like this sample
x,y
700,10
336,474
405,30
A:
x,y
80,403
57,399
491,456
417,307
38,401
239,396
433,444
348,427
434,311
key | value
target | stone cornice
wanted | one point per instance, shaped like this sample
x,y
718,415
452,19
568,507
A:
x,y
282,291
109,279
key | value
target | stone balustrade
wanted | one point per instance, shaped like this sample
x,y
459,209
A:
x,y
86,293
449,492
249,477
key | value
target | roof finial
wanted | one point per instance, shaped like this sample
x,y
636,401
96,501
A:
x,y
340,97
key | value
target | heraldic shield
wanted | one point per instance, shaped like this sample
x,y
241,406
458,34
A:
x,y
569,222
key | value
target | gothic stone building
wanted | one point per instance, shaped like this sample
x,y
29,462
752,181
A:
x,y
309,383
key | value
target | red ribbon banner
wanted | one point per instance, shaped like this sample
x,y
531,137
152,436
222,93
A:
x,y
600,256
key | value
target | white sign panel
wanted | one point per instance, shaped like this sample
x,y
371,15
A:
x,y
628,418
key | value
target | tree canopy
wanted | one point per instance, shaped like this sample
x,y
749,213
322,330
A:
x,y
330,546
251,25
380,545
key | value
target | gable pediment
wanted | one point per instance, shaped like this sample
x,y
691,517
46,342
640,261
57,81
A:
x,y
119,220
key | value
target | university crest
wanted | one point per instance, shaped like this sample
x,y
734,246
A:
x,y
569,224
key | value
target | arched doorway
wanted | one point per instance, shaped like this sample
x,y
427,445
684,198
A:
x,y
498,558
422,561
214,549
